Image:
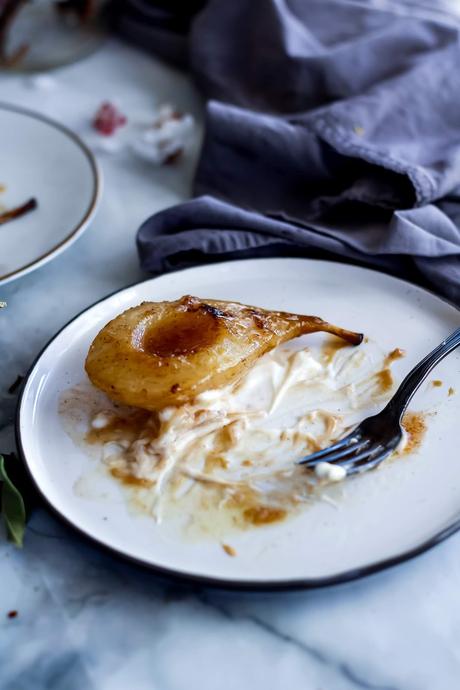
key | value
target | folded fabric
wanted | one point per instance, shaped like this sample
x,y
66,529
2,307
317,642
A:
x,y
337,130
160,26
208,230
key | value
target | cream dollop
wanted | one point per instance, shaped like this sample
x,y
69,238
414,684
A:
x,y
329,472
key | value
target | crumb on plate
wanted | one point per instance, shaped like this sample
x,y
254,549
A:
x,y
414,424
229,550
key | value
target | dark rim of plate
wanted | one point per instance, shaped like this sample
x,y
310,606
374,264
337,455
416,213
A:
x,y
222,583
81,225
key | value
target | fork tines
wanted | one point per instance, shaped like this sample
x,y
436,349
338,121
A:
x,y
353,453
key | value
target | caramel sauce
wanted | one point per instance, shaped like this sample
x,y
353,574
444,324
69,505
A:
x,y
213,462
263,515
437,383
129,479
395,354
225,438
128,427
248,510
229,550
181,334
415,426
385,380
245,505
331,347
121,428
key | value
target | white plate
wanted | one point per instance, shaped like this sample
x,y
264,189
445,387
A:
x,y
383,516
42,159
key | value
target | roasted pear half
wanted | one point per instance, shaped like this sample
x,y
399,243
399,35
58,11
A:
x,y
165,353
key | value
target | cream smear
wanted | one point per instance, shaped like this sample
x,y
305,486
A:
x,y
239,444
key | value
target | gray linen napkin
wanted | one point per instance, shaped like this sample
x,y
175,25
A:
x,y
336,132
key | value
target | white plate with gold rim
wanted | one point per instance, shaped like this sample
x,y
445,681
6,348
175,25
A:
x,y
378,519
42,160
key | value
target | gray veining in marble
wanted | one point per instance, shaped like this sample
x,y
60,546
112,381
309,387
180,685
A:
x,y
88,621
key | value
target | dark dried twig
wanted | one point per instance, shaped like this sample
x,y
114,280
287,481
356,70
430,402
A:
x,y
18,211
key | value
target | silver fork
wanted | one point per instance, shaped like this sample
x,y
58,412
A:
x,y
378,436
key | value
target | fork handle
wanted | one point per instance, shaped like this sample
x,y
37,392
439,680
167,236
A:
x,y
415,378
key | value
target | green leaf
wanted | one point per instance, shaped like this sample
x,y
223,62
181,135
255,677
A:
x,y
13,510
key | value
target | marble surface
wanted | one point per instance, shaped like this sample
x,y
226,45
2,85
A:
x,y
87,621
